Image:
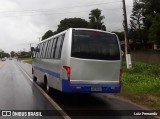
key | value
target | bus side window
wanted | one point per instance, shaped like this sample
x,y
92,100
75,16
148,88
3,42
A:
x,y
59,47
50,47
53,48
41,47
46,50
43,50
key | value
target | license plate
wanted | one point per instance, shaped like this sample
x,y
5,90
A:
x,y
96,89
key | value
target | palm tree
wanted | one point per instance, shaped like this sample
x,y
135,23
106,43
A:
x,y
96,19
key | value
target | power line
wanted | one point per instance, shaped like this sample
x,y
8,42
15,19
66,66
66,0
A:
x,y
48,11
33,14
44,10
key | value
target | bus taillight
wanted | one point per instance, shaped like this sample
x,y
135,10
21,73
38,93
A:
x,y
68,70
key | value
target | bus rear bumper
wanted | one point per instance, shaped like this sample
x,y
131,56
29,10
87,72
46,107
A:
x,y
90,88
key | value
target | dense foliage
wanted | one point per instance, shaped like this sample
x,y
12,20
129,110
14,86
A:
x,y
12,53
96,18
4,54
24,54
72,23
145,22
154,30
48,34
95,22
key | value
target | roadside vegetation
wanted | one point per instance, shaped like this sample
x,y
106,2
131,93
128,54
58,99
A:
x,y
141,84
27,60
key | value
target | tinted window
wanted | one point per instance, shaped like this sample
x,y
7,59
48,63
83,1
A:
x,y
44,49
41,50
53,47
46,52
94,45
59,47
47,49
50,48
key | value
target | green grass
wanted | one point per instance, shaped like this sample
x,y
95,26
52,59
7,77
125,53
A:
x,y
27,60
141,84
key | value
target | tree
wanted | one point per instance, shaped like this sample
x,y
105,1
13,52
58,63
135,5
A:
x,y
24,54
12,53
120,35
154,30
137,26
96,19
151,16
48,34
1,52
4,54
136,16
151,8
72,23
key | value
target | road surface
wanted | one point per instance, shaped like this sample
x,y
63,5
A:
x,y
18,93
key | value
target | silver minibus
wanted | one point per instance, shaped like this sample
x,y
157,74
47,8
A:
x,y
79,60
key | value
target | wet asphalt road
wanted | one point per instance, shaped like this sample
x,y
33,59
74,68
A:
x,y
17,92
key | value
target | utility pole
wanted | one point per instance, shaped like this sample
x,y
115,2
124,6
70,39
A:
x,y
127,49
30,45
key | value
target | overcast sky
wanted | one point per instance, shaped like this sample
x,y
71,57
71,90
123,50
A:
x,y
24,21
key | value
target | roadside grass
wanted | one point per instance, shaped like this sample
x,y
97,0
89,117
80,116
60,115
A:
x,y
141,84
27,60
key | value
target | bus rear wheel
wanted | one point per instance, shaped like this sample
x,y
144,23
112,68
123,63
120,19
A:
x,y
34,78
46,87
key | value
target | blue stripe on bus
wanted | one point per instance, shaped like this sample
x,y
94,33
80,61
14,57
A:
x,y
57,75
86,88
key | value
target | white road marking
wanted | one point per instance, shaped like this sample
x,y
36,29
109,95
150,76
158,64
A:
x,y
54,104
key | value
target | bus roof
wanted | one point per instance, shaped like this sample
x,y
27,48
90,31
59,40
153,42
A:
x,y
73,29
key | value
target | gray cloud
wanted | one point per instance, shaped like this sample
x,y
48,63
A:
x,y
23,22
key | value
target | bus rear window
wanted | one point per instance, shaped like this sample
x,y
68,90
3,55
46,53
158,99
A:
x,y
94,45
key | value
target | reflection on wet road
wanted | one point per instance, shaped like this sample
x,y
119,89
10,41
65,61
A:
x,y
17,92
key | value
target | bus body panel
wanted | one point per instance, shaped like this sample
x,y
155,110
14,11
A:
x,y
84,71
49,68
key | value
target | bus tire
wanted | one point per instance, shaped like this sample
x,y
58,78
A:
x,y
34,78
46,86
